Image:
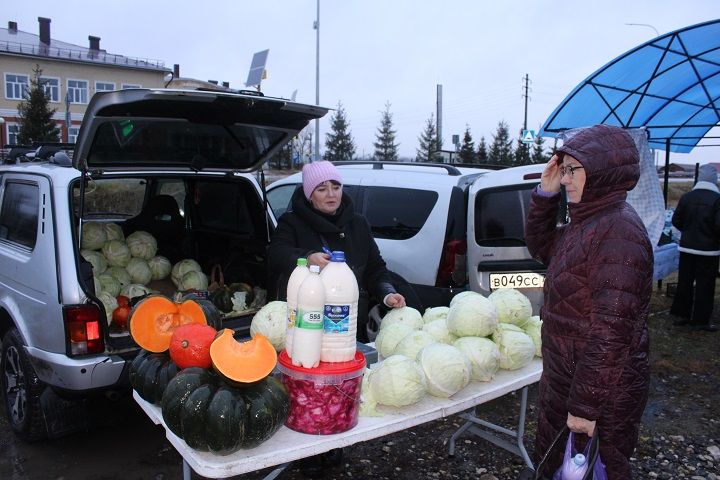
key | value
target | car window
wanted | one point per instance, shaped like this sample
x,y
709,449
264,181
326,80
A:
x,y
500,216
228,207
279,198
176,189
19,215
111,197
397,213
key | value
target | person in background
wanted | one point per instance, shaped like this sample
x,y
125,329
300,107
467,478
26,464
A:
x,y
697,216
322,219
597,297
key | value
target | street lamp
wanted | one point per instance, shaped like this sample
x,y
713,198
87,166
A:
x,y
657,34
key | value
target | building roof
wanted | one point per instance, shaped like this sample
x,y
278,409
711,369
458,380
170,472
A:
x,y
18,42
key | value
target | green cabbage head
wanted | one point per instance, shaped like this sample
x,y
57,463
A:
x,y
439,330
435,313
97,259
139,271
93,236
511,306
181,268
474,316
159,267
389,337
517,349
532,328
271,321
446,369
483,354
412,343
406,315
142,245
397,381
117,253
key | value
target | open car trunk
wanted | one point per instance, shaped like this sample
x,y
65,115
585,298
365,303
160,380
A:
x,y
217,220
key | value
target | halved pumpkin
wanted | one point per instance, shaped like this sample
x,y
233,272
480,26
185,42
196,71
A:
x,y
155,319
242,362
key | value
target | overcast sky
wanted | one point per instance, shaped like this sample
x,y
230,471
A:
x,y
378,51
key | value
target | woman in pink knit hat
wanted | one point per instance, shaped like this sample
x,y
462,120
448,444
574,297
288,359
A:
x,y
321,219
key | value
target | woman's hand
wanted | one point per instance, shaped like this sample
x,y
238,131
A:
x,y
395,300
318,258
550,179
581,425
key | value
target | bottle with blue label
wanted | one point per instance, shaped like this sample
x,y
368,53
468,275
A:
x,y
339,340
307,339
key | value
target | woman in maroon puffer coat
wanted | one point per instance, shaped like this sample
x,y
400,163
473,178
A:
x,y
597,295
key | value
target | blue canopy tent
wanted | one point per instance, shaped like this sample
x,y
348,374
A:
x,y
669,85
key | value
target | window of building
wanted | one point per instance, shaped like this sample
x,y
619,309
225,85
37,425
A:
x,y
16,86
78,91
52,88
19,214
72,134
104,86
13,129
125,86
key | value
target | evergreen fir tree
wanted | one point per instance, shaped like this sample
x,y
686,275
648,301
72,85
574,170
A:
x,y
467,149
36,123
501,152
427,151
482,153
386,150
538,152
522,153
339,144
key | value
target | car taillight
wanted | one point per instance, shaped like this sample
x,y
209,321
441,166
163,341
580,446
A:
x,y
82,329
452,271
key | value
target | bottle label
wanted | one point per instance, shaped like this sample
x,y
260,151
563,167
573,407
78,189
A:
x,y
310,319
337,318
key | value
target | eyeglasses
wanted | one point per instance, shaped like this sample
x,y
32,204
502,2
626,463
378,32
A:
x,y
568,170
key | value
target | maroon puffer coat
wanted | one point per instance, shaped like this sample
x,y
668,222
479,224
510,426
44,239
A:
x,y
597,295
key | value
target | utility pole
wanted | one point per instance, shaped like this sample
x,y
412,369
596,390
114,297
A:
x,y
438,120
525,94
317,81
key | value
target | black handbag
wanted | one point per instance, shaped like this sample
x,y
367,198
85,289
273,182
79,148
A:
x,y
529,473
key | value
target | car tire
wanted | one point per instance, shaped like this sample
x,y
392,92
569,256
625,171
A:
x,y
21,389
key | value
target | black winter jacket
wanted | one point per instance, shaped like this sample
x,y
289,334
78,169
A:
x,y
303,231
697,216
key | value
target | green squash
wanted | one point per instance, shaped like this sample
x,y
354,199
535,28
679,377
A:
x,y
150,373
211,415
212,314
222,296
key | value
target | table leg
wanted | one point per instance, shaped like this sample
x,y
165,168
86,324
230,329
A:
x,y
187,471
472,423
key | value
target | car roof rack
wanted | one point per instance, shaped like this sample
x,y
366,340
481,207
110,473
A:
x,y
55,152
451,169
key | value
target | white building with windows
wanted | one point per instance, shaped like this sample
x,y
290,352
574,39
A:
x,y
71,75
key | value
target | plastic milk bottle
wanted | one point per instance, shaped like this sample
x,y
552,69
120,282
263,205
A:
x,y
340,315
296,278
575,468
307,339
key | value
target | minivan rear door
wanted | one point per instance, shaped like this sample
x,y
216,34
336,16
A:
x,y
498,257
144,129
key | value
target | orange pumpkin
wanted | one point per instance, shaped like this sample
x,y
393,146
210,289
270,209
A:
x,y
190,345
155,318
242,362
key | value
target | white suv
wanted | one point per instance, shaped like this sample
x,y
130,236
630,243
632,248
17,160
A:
x,y
194,150
443,228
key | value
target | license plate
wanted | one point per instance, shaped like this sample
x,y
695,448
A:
x,y
516,280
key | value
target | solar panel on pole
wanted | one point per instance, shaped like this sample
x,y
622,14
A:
x,y
257,67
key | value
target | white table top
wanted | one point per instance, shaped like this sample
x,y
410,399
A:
x,y
287,445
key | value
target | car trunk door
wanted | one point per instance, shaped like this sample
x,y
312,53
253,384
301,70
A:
x,y
497,255
144,129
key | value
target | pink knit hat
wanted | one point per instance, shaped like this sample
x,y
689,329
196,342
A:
x,y
315,173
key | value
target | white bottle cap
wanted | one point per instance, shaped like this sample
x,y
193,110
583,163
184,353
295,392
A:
x,y
579,459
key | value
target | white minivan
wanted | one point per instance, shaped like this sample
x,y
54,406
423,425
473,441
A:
x,y
443,228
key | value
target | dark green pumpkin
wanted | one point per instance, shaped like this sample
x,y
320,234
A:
x,y
222,296
212,314
211,415
150,374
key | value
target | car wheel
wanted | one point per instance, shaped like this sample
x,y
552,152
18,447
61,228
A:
x,y
375,315
21,389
